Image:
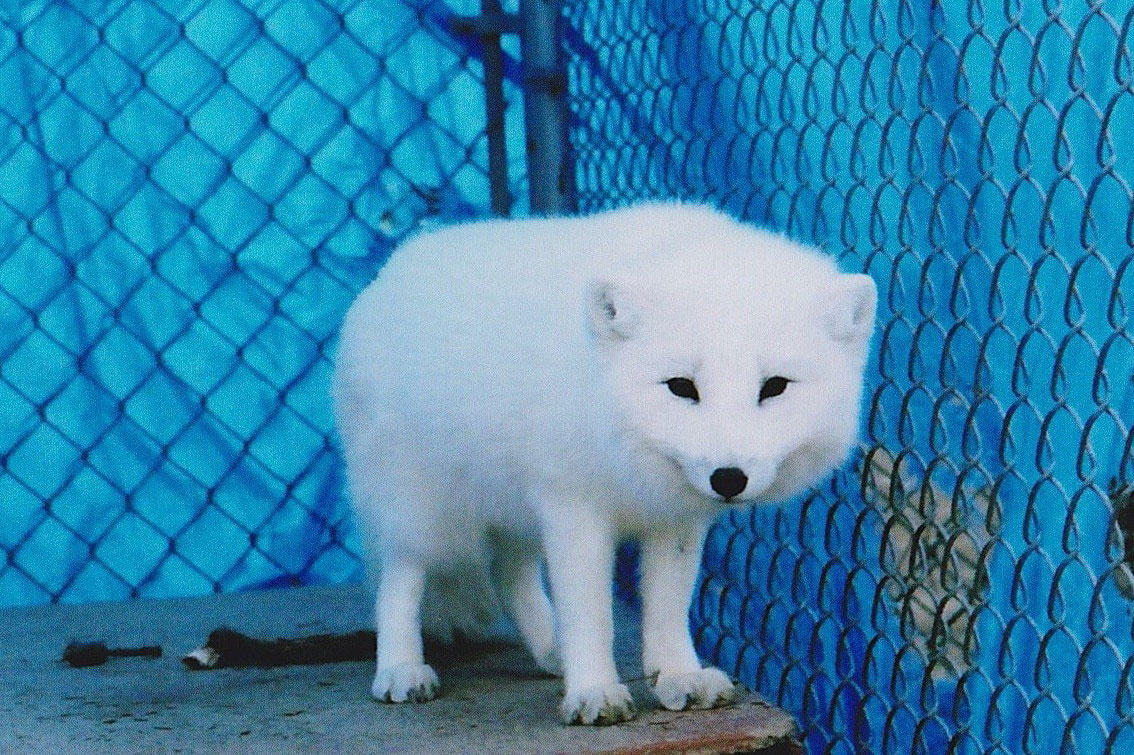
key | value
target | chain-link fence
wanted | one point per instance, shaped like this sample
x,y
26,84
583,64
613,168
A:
x,y
190,195
964,587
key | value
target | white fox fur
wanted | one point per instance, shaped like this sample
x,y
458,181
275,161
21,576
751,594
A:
x,y
504,396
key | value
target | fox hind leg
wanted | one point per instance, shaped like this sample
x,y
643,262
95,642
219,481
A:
x,y
401,674
518,571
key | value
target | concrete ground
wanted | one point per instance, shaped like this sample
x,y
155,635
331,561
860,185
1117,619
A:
x,y
493,699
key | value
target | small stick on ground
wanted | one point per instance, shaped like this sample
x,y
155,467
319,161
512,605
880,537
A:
x,y
226,648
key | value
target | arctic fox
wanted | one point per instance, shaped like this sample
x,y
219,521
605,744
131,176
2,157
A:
x,y
511,393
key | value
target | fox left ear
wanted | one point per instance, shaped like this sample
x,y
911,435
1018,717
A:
x,y
850,307
611,310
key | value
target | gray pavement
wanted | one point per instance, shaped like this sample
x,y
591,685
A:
x,y
494,700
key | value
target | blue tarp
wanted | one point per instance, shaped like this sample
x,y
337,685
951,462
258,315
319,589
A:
x,y
190,195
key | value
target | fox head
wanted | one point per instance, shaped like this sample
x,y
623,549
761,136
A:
x,y
735,363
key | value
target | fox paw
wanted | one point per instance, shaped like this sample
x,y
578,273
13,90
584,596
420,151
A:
x,y
707,688
406,682
598,706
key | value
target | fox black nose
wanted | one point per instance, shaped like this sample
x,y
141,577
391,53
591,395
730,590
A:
x,y
728,481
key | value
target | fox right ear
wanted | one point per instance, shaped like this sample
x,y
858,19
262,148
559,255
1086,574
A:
x,y
850,306
610,311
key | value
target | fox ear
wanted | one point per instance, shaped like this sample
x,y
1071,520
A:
x,y
850,306
611,312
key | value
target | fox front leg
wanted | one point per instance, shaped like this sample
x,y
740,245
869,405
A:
x,y
671,559
579,545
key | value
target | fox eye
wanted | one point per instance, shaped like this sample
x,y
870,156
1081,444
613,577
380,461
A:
x,y
683,388
773,386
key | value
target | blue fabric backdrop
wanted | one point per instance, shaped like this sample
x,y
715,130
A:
x,y
190,195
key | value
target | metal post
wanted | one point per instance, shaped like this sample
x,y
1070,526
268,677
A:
x,y
545,113
545,122
494,115
491,23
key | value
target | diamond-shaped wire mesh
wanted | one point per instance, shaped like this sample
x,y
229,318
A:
x,y
964,585
191,193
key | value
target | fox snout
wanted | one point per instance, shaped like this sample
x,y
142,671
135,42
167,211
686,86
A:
x,y
728,482
732,482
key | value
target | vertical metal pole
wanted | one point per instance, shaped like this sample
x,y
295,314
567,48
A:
x,y
501,197
545,122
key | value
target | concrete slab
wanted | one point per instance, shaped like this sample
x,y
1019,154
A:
x,y
494,700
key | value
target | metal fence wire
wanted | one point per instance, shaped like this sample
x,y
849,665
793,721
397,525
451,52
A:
x,y
964,586
191,193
